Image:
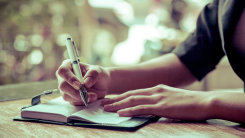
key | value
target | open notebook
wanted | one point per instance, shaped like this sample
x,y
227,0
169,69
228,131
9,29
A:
x,y
60,112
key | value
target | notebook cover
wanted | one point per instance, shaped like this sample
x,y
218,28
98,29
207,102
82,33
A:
x,y
130,125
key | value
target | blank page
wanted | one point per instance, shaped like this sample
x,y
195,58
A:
x,y
55,110
95,113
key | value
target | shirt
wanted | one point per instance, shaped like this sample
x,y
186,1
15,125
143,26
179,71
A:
x,y
217,33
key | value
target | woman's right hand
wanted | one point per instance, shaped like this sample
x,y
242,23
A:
x,y
96,81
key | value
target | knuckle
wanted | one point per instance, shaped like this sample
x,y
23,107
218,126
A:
x,y
94,73
132,99
62,85
142,108
159,88
71,78
61,70
159,97
114,105
128,93
99,68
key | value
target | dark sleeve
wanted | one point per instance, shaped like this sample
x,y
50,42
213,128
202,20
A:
x,y
202,50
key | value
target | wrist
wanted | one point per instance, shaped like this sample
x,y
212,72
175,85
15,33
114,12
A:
x,y
111,71
212,100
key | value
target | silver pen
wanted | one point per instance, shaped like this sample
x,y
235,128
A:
x,y
72,51
82,90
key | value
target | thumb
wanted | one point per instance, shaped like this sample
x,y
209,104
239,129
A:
x,y
92,75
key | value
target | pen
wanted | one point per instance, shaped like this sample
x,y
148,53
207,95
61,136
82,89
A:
x,y
84,94
72,51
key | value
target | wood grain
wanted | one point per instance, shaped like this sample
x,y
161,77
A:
x,y
166,128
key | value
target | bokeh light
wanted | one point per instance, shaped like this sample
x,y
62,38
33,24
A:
x,y
10,60
36,40
25,10
79,2
35,57
61,39
65,54
3,56
36,7
57,7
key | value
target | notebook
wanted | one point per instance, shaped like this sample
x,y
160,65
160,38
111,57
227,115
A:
x,y
58,111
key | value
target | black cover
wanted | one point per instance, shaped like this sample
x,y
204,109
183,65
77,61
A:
x,y
131,125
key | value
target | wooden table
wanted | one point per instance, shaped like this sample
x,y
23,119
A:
x,y
163,128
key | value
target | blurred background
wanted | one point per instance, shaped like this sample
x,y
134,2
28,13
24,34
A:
x,y
107,33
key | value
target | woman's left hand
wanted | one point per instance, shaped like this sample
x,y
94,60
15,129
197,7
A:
x,y
163,101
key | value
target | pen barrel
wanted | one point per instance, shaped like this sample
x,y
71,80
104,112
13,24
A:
x,y
74,59
71,50
77,71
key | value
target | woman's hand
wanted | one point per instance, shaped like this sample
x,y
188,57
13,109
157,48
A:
x,y
96,80
161,101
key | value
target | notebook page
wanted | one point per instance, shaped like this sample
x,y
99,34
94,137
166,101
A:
x,y
55,110
95,113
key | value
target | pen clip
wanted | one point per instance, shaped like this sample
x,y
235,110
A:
x,y
76,51
36,99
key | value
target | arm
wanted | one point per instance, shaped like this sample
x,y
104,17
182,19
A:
x,y
167,69
227,105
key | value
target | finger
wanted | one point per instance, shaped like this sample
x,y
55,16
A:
x,y
68,98
138,110
69,90
130,102
65,72
125,95
92,97
92,75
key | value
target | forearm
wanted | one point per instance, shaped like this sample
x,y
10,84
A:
x,y
228,106
167,69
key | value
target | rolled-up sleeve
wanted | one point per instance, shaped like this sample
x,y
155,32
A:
x,y
202,50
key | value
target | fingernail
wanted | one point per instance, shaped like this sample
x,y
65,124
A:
x,y
107,107
88,81
122,112
76,84
103,102
92,98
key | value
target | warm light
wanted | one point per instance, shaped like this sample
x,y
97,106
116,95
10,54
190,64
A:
x,y
189,23
35,57
151,19
20,43
36,40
